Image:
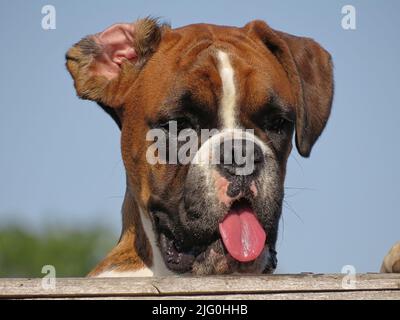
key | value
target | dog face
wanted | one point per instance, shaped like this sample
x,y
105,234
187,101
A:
x,y
250,88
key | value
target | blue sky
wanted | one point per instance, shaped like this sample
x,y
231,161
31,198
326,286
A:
x,y
60,160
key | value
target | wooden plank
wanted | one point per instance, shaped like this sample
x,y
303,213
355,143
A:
x,y
274,283
196,286
330,295
76,287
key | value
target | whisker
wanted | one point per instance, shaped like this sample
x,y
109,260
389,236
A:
x,y
299,188
297,161
287,205
292,195
282,234
114,197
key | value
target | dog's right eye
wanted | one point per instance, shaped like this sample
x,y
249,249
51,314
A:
x,y
177,124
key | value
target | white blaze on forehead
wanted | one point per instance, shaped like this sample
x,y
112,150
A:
x,y
228,99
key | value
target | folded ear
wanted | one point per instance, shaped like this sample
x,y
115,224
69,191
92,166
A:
x,y
101,64
310,70
315,69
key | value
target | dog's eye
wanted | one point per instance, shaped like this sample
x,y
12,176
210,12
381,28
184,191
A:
x,y
184,123
177,124
277,125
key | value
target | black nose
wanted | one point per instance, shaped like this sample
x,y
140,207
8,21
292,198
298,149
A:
x,y
240,157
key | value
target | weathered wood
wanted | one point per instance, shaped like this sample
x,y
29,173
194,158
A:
x,y
303,286
329,295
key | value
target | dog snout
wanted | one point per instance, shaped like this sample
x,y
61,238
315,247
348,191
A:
x,y
240,157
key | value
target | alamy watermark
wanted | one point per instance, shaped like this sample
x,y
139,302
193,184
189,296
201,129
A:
x,y
49,281
49,17
349,281
233,147
349,21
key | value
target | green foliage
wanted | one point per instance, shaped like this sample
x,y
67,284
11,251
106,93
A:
x,y
73,253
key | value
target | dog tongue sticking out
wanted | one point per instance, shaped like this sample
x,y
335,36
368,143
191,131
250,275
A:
x,y
242,234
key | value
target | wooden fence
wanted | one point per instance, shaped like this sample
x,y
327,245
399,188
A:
x,y
268,287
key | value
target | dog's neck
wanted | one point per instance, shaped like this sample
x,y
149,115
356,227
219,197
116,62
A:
x,y
158,267
137,253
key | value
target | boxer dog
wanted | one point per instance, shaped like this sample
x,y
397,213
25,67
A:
x,y
203,218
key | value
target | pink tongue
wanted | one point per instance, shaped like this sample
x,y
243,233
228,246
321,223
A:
x,y
242,234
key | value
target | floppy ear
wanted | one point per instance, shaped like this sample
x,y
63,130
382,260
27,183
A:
x,y
103,65
310,70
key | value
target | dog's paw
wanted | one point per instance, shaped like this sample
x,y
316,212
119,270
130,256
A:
x,y
391,263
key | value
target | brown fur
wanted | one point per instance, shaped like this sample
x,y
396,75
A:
x,y
310,71
133,250
147,37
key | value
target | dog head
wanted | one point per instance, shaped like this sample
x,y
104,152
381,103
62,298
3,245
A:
x,y
226,100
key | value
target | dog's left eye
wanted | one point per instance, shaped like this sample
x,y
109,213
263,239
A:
x,y
277,125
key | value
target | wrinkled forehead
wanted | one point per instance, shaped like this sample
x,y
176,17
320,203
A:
x,y
222,72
